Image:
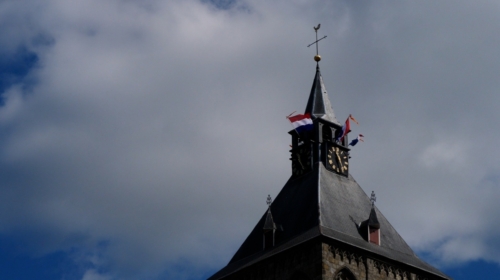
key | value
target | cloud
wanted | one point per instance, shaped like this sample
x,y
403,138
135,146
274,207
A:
x,y
157,127
448,153
94,275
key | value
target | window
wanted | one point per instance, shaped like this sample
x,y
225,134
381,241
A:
x,y
344,274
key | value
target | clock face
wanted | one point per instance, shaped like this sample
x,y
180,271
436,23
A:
x,y
301,161
338,160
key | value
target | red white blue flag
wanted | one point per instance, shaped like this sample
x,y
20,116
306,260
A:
x,y
301,123
356,140
346,128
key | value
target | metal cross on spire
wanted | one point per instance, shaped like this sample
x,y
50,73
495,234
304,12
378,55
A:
x,y
317,58
373,198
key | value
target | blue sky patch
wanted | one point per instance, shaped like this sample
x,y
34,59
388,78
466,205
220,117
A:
x,y
474,270
17,265
15,66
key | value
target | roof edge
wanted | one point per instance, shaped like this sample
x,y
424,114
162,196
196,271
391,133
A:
x,y
306,236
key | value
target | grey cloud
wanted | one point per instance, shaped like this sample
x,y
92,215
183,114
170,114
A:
x,y
160,128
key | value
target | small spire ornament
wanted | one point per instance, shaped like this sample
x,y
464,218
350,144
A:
x,y
269,200
373,198
317,57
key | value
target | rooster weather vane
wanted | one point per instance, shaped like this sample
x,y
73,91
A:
x,y
317,58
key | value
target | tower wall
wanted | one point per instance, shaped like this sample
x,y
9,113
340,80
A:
x,y
320,260
364,267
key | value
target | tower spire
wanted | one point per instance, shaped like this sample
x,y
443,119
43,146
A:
x,y
318,105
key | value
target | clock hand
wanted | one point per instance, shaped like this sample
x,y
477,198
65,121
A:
x,y
338,158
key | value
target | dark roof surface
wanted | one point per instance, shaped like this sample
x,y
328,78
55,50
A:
x,y
344,205
262,255
295,209
322,203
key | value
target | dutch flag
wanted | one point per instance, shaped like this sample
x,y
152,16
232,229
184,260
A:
x,y
301,123
346,128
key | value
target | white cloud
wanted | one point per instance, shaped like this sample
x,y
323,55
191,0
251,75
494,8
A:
x,y
94,275
450,154
159,126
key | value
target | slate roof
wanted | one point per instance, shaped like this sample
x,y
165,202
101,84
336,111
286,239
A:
x,y
319,105
323,204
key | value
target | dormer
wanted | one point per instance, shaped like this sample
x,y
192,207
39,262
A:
x,y
370,228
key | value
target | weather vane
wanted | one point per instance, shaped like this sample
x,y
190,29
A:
x,y
269,200
373,198
317,58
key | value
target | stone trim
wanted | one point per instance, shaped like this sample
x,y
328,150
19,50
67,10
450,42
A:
x,y
335,259
391,271
345,255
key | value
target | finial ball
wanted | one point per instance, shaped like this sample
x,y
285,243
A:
x,y
317,58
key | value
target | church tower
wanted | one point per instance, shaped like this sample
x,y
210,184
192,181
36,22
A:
x,y
322,225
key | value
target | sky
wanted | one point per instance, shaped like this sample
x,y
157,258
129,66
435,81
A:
x,y
140,139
